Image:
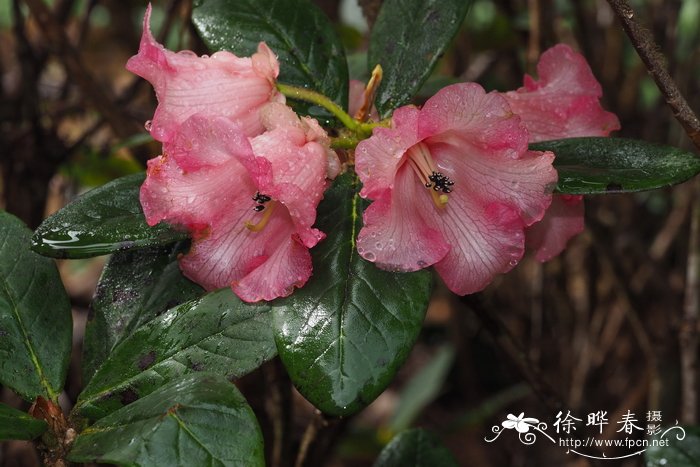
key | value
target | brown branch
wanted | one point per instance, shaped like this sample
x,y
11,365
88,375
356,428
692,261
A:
x,y
317,423
646,47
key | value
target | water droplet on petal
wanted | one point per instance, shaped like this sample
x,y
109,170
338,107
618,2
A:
x,y
378,245
148,125
369,256
513,262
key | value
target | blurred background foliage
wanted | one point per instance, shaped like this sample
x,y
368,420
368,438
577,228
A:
x,y
595,329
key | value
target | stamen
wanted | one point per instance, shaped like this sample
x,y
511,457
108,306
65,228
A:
x,y
261,198
265,218
423,165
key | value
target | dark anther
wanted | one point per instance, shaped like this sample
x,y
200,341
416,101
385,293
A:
x,y
440,182
261,200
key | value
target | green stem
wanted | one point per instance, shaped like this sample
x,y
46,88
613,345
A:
x,y
344,142
319,99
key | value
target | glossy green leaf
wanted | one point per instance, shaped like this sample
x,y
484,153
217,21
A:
x,y
35,317
197,420
15,424
136,286
407,40
216,333
343,336
617,165
297,31
102,221
415,448
675,446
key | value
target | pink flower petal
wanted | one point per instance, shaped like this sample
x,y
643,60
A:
x,y
564,102
562,221
222,84
485,240
464,114
298,165
258,265
193,199
191,184
395,235
289,266
378,158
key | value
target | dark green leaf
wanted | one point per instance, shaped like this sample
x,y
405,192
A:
x,y
343,336
616,165
216,333
196,420
18,425
35,317
415,448
407,40
676,446
136,286
305,42
102,221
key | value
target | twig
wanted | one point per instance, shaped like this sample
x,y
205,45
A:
x,y
646,47
691,311
317,422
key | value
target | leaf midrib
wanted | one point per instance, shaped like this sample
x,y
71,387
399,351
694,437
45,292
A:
x,y
43,380
167,358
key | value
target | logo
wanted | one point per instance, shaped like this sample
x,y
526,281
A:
x,y
569,432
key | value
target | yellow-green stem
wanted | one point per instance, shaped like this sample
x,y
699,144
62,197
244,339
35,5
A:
x,y
344,142
319,99
359,129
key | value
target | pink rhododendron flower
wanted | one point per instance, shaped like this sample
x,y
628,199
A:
x,y
454,186
564,103
221,85
249,203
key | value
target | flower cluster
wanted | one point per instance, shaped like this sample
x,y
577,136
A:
x,y
240,170
453,184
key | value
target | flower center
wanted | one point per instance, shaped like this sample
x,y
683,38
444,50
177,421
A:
x,y
261,204
423,165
